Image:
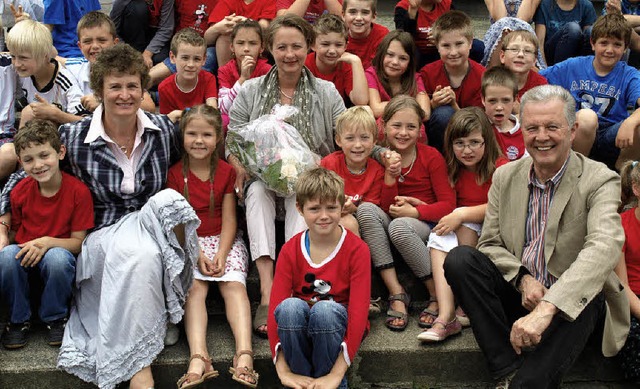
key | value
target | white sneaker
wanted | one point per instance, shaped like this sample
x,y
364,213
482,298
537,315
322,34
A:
x,y
173,334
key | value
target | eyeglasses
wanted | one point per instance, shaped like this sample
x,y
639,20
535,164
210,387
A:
x,y
517,50
473,145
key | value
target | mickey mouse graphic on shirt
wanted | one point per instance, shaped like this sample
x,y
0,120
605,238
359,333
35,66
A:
x,y
319,288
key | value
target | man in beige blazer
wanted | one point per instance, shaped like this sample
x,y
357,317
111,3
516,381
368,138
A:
x,y
542,275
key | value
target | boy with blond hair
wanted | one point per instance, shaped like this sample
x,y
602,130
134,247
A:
x,y
365,180
51,212
364,34
320,290
518,54
190,85
604,88
499,92
329,60
452,82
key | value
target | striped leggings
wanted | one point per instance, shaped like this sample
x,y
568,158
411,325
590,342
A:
x,y
408,235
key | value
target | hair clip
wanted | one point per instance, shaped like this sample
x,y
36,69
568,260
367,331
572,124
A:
x,y
634,163
187,109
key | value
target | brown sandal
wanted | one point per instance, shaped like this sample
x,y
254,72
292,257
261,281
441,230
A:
x,y
237,372
191,380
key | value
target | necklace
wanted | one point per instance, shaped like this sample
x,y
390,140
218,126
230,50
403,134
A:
x,y
358,172
286,95
402,176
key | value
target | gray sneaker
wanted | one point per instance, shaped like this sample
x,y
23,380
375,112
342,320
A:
x,y
173,334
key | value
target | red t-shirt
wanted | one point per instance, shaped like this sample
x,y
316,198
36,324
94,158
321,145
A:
x,y
631,248
374,83
468,94
468,192
533,79
256,10
365,48
427,180
171,97
199,192
194,14
34,216
511,143
314,10
366,187
346,272
229,74
424,22
342,77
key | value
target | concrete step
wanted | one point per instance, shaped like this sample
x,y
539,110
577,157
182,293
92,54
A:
x,y
386,360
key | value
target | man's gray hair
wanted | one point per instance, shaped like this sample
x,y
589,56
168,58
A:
x,y
544,93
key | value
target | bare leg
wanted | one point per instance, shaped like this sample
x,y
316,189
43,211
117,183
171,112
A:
x,y
467,236
223,49
195,324
390,279
238,312
586,133
446,304
158,73
434,299
25,116
265,271
142,379
8,160
350,223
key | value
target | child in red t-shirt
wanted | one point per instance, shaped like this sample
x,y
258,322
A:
x,y
309,10
190,85
365,180
364,35
453,82
207,183
330,62
51,212
472,155
246,48
424,196
318,305
518,54
227,14
628,270
499,90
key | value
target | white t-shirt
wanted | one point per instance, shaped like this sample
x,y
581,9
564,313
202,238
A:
x,y
62,91
79,69
9,85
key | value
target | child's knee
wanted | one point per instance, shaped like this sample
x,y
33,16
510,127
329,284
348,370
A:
x,y
587,121
327,315
350,223
58,261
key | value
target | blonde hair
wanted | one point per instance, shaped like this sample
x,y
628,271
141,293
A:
x,y
356,117
629,176
30,37
319,184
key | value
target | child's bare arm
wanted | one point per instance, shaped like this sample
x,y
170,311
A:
x,y
227,234
212,101
376,103
360,89
147,103
527,10
496,8
423,99
541,33
6,234
299,7
454,220
33,250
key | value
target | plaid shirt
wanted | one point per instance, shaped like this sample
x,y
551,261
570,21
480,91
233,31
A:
x,y
96,166
540,199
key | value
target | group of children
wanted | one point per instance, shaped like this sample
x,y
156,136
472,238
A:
x,y
442,131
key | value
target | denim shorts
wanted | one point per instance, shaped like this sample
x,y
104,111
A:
x,y
604,148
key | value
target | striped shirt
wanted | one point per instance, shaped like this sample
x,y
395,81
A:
x,y
540,200
61,91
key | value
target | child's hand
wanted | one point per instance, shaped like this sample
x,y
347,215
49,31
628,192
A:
x,y
448,224
349,58
403,208
329,381
219,262
89,102
42,109
205,265
19,14
226,25
349,207
414,3
247,66
295,381
440,97
392,163
32,251
625,135
613,6
175,115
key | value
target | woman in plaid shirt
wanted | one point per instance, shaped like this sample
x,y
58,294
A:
x,y
135,268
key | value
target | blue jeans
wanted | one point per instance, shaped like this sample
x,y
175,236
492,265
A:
x,y
311,337
57,268
569,41
438,122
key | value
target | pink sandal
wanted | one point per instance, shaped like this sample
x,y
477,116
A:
x,y
440,331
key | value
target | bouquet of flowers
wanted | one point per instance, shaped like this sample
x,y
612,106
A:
x,y
272,150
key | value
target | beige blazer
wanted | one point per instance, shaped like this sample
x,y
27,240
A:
x,y
583,238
